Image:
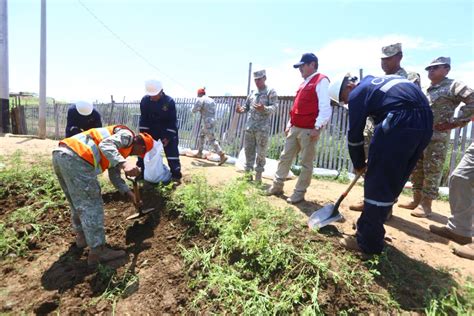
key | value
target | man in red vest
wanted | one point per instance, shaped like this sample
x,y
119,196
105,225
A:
x,y
310,113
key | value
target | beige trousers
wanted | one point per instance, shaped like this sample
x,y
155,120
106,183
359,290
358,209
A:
x,y
297,141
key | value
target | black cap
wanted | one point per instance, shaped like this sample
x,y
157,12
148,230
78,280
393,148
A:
x,y
306,59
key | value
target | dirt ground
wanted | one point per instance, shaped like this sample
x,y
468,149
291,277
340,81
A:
x,y
55,265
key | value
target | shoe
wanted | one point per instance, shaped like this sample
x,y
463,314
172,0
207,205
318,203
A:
x,y
350,243
258,177
358,207
296,197
424,209
275,189
466,251
103,254
445,232
81,240
417,195
223,159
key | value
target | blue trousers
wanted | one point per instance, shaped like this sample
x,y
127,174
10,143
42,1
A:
x,y
393,154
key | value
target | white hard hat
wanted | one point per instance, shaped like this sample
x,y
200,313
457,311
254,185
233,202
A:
x,y
335,88
84,108
153,87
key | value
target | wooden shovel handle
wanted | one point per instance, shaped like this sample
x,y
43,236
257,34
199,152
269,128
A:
x,y
343,195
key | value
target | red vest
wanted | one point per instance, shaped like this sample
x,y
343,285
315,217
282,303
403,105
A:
x,y
305,109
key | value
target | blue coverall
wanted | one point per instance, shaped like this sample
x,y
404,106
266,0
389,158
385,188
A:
x,y
158,118
404,125
77,123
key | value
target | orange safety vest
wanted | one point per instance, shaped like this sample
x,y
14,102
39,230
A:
x,y
86,145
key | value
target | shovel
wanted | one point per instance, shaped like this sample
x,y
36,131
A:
x,y
330,212
140,212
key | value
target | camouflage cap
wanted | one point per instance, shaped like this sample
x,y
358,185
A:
x,y
439,61
391,50
259,74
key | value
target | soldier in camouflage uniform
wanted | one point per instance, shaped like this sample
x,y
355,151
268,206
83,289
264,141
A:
x,y
77,162
260,105
390,63
207,107
444,95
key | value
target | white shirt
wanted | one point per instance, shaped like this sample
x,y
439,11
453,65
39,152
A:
x,y
325,109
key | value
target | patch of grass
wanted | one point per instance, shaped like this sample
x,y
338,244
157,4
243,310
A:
x,y
260,262
117,286
453,302
37,188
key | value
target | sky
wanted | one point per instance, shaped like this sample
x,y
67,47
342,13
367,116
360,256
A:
x,y
99,48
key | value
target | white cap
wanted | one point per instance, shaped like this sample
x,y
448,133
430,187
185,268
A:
x,y
153,87
84,108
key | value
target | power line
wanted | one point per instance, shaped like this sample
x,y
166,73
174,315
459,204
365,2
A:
x,y
128,45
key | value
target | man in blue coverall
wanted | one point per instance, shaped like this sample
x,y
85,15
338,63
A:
x,y
403,128
158,118
81,117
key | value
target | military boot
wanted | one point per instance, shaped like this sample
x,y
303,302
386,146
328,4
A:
x,y
417,195
358,207
81,240
424,209
223,159
275,189
103,254
258,177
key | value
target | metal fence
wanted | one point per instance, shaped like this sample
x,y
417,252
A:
x,y
331,150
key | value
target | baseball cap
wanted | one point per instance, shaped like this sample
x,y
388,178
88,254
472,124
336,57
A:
x,y
306,59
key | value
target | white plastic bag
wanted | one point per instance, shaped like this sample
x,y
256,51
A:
x,y
240,163
155,170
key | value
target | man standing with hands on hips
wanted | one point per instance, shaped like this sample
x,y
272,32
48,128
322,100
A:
x,y
310,113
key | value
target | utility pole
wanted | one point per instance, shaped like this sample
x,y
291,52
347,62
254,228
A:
x,y
4,88
42,90
248,82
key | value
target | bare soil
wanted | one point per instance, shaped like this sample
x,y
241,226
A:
x,y
55,276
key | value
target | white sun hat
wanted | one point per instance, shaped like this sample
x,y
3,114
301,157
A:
x,y
153,87
84,108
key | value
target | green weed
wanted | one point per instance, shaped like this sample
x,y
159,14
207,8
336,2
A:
x,y
259,262
454,302
118,286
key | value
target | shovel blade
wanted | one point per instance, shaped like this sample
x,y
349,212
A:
x,y
134,216
141,213
323,217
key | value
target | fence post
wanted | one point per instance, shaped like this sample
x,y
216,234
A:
x,y
56,120
111,110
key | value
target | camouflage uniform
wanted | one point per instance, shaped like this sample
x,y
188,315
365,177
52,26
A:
x,y
370,125
258,125
444,97
207,107
78,180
